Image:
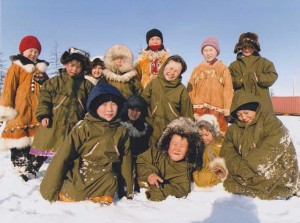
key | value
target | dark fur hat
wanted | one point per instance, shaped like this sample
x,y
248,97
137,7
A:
x,y
75,54
136,101
247,39
97,61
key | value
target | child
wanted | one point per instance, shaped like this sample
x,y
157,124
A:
x,y
210,85
251,72
167,169
152,58
19,100
260,157
139,130
61,105
96,68
167,97
85,166
212,138
119,70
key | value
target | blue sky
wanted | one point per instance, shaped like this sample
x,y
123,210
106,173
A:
x,y
96,25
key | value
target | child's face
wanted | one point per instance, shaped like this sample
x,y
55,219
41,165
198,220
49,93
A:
x,y
32,54
172,70
96,71
73,68
119,61
209,53
246,116
155,41
178,147
134,114
248,50
206,136
108,110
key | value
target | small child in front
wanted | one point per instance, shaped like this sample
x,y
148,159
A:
x,y
85,168
212,139
166,171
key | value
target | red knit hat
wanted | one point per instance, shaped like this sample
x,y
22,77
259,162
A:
x,y
211,41
29,42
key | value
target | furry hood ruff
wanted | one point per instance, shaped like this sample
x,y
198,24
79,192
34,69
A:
x,y
115,52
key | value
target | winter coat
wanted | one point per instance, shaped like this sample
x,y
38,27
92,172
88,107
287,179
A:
x,y
176,174
254,75
124,78
167,100
127,83
62,99
210,86
87,163
211,91
260,157
19,101
205,176
149,63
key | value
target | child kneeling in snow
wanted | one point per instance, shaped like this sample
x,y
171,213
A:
x,y
260,157
167,169
86,167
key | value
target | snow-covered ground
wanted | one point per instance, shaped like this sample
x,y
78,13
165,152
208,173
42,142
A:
x,y
21,202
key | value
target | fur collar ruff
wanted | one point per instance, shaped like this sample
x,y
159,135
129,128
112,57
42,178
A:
x,y
119,78
134,132
152,55
30,68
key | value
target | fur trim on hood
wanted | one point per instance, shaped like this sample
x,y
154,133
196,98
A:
x,y
210,121
115,52
184,127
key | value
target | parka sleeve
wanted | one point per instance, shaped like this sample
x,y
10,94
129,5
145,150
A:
x,y
45,99
227,91
7,103
236,75
186,106
145,165
126,164
61,163
235,163
268,76
275,142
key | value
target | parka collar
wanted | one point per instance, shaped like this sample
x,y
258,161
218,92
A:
x,y
99,121
29,65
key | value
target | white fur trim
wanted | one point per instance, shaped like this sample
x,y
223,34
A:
x,y
211,119
93,80
119,78
7,113
219,162
6,144
41,66
29,67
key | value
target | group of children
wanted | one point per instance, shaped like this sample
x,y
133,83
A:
x,y
112,127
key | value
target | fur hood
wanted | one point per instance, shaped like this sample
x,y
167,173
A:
x,y
184,127
210,121
119,51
